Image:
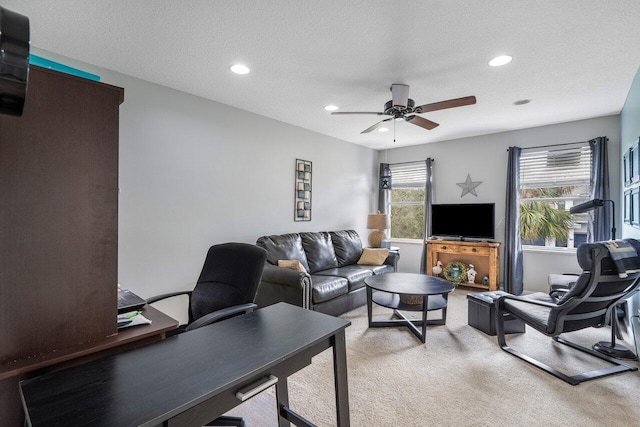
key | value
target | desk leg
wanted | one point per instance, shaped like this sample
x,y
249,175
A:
x,y
282,401
340,377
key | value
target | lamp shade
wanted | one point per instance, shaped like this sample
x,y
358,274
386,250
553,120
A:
x,y
378,221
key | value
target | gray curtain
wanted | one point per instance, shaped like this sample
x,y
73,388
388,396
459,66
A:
x,y
599,227
428,200
384,188
512,245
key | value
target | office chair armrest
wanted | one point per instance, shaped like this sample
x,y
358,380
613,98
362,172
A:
x,y
221,314
522,299
169,295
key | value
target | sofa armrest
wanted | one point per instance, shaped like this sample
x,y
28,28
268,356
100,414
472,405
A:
x,y
280,284
392,260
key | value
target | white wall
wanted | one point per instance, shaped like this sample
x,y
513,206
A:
x,y
195,172
485,159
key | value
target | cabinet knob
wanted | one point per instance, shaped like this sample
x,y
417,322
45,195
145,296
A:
x,y
474,250
444,247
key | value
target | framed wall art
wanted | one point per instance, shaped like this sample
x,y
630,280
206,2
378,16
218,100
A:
x,y
302,199
631,179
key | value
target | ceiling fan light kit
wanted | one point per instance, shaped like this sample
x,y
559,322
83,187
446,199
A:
x,y
401,107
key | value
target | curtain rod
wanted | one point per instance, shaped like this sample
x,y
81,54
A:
x,y
406,163
558,145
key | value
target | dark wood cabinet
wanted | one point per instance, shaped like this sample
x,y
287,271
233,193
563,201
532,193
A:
x,y
58,218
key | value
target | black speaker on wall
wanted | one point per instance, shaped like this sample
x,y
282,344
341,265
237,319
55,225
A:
x,y
14,61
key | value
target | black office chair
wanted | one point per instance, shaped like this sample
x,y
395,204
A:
x,y
588,303
226,287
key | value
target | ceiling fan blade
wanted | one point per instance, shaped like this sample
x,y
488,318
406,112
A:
x,y
356,112
376,126
442,105
422,122
400,95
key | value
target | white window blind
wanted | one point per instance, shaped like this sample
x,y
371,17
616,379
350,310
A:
x,y
567,166
408,175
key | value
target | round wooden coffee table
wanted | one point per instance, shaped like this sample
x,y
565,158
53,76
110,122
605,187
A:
x,y
385,290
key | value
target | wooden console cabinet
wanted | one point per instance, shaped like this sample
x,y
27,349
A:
x,y
484,256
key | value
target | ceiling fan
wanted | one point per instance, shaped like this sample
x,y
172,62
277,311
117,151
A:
x,y
402,107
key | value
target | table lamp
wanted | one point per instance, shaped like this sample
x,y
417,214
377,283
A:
x,y
378,222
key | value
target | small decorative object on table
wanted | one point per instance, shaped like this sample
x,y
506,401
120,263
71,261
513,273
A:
x,y
455,272
471,274
485,280
410,299
437,269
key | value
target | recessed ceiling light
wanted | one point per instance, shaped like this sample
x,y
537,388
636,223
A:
x,y
522,102
240,69
331,107
500,60
383,130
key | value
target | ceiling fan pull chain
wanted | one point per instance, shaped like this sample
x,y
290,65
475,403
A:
x,y
394,130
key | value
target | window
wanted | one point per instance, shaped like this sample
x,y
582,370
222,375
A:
x,y
552,180
407,200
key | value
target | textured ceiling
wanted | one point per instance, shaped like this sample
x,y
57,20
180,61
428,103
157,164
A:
x,y
574,59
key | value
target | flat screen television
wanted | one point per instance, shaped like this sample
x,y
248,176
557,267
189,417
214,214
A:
x,y
465,221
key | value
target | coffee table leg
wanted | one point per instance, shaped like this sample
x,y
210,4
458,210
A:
x,y
369,294
425,305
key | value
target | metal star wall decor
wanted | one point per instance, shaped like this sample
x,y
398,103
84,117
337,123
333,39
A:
x,y
468,186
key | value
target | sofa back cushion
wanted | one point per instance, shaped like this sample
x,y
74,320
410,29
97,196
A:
x,y
347,246
319,250
285,246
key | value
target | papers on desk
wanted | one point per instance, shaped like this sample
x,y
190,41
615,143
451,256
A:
x,y
133,318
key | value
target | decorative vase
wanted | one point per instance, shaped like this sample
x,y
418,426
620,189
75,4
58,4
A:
x,y
485,280
455,271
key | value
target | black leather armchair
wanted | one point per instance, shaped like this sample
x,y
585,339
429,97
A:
x,y
588,303
226,287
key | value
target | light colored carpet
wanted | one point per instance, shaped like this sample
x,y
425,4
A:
x,y
460,377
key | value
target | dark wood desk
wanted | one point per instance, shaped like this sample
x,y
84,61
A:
x,y
11,413
192,378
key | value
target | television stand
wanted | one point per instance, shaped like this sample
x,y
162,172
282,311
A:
x,y
484,256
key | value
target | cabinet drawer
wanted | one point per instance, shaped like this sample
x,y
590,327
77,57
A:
x,y
462,249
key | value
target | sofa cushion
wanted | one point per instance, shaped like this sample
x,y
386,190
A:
x,y
318,248
355,274
373,256
325,288
347,246
285,246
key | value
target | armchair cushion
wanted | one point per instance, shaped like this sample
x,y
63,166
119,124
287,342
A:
x,y
525,307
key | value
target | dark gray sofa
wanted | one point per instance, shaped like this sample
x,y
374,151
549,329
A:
x,y
333,282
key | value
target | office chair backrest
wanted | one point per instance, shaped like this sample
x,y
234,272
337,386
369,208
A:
x,y
596,290
230,276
